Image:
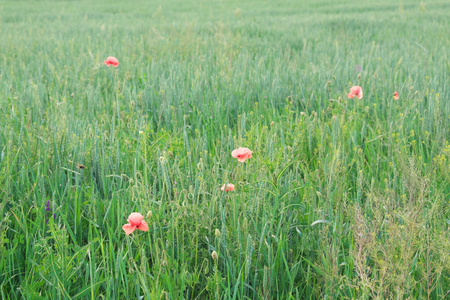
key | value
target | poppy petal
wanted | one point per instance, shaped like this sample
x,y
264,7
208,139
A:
x,y
242,159
135,219
128,228
236,153
143,226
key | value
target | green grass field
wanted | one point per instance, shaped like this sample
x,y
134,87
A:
x,y
342,199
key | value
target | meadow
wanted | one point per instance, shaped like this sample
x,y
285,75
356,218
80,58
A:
x,y
341,199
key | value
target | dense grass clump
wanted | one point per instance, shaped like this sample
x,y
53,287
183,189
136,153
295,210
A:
x,y
342,198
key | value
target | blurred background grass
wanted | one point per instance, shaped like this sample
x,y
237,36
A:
x,y
200,79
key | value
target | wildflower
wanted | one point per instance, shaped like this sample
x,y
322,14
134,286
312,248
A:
x,y
214,255
355,91
48,210
135,221
111,60
228,188
395,96
241,154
